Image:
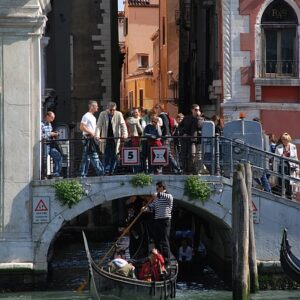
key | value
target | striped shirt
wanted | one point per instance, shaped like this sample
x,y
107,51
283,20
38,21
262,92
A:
x,y
162,206
46,129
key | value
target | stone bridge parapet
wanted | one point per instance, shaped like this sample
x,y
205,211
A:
x,y
271,213
102,189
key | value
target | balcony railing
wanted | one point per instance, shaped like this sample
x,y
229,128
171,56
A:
x,y
216,156
278,69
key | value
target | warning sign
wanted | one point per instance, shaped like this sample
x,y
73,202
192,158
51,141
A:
x,y
130,156
40,207
255,211
159,156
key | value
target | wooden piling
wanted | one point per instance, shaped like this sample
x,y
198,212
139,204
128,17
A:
x,y
254,285
240,229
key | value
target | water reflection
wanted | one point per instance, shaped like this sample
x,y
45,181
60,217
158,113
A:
x,y
182,294
46,296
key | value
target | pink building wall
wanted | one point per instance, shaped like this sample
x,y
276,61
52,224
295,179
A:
x,y
274,120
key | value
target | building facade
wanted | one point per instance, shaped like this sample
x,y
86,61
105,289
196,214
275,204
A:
x,y
140,30
242,56
169,55
81,52
265,64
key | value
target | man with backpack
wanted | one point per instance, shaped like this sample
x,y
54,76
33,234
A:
x,y
191,127
167,130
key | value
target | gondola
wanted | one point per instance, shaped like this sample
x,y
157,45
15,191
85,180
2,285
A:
x,y
103,282
289,262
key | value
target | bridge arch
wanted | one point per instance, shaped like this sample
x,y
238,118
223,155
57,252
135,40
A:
x,y
108,189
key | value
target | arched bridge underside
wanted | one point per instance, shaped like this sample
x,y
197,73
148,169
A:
x,y
271,215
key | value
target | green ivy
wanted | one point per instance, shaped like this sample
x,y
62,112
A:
x,y
141,180
195,189
68,192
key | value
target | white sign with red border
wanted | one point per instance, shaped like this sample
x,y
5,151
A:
x,y
130,156
159,156
255,211
41,209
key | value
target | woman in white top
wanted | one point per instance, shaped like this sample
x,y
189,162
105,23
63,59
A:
x,y
289,150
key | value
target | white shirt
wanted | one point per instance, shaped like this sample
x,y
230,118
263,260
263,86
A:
x,y
119,262
89,120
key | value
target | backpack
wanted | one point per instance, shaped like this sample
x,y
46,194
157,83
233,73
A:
x,y
171,124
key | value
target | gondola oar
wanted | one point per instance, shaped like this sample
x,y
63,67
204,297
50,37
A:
x,y
126,230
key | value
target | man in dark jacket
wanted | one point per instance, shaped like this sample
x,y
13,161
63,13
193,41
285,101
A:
x,y
166,131
191,128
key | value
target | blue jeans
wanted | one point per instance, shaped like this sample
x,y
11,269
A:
x,y
172,162
57,159
110,157
264,182
87,157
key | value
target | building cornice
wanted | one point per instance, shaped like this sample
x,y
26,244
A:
x,y
23,19
238,106
21,25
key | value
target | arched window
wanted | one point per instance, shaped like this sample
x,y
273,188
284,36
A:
x,y
279,41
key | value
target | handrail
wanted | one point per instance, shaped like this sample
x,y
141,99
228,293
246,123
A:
x,y
215,155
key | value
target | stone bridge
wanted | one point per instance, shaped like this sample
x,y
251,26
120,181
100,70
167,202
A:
x,y
271,215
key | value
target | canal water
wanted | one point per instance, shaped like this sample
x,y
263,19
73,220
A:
x,y
68,270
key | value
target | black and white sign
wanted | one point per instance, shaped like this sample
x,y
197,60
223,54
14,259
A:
x,y
159,156
41,211
130,156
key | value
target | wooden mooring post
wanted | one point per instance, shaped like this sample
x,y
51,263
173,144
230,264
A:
x,y
244,264
254,286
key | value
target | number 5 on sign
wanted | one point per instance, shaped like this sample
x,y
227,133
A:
x,y
130,156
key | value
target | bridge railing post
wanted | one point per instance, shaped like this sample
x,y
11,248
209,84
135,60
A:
x,y
217,151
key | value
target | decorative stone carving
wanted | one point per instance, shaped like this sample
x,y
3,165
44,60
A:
x,y
45,6
227,49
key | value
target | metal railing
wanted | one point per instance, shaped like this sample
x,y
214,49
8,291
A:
x,y
216,156
276,68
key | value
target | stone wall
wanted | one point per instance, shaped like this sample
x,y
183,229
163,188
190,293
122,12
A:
x,y
21,26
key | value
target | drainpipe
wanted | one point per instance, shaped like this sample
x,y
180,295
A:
x,y
159,40
135,94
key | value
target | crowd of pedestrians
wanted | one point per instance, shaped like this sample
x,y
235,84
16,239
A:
x,y
104,138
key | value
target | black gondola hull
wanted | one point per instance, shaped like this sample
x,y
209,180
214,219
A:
x,y
101,281
289,262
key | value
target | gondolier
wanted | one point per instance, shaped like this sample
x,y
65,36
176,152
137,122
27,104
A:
x,y
162,207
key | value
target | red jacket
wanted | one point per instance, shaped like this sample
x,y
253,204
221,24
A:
x,y
152,268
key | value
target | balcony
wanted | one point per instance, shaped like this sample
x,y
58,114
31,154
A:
x,y
277,69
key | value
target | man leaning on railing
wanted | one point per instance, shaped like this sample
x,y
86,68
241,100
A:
x,y
48,137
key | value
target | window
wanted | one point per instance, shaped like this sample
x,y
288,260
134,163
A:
x,y
279,41
163,31
143,61
141,97
130,99
125,27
